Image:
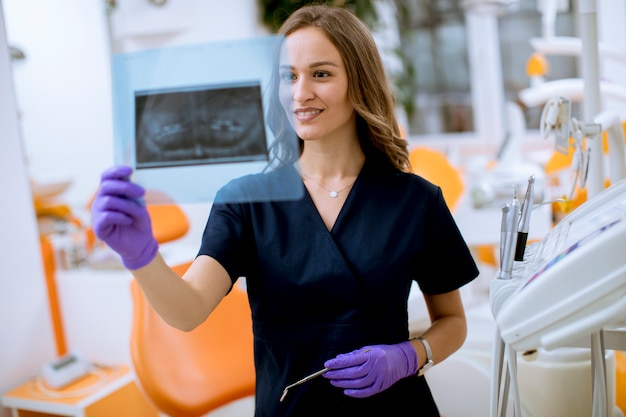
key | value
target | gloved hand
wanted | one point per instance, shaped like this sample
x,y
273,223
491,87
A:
x,y
373,369
121,220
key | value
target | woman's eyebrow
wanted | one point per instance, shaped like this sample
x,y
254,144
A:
x,y
312,65
322,63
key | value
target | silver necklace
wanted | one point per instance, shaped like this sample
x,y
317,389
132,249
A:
x,y
331,193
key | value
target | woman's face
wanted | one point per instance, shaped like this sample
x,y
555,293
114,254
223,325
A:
x,y
314,87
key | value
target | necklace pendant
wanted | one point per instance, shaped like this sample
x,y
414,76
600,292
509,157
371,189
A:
x,y
333,194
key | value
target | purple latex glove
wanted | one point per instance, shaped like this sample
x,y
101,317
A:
x,y
373,369
121,220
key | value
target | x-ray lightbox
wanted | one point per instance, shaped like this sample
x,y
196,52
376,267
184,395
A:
x,y
191,118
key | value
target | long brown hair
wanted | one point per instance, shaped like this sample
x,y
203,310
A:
x,y
368,88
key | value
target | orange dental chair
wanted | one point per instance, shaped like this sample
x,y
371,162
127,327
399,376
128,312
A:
x,y
435,167
189,374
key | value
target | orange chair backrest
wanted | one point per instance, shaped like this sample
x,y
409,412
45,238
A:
x,y
435,167
169,222
189,374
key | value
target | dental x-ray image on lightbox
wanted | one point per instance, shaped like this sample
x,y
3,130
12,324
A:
x,y
200,126
190,119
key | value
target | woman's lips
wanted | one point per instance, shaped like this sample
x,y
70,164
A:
x,y
305,115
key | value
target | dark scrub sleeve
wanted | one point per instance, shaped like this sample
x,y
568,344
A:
x,y
226,240
448,263
229,235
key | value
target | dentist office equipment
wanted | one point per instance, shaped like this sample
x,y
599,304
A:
x,y
556,123
501,288
551,44
568,291
590,90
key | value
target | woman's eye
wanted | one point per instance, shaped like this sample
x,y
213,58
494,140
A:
x,y
321,74
287,76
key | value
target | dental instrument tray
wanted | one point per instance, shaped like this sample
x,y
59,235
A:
x,y
575,282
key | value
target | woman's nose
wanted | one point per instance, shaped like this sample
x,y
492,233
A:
x,y
302,91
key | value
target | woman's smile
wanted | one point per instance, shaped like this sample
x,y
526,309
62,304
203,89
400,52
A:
x,y
305,115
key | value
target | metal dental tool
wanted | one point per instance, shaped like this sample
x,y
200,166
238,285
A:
x,y
510,218
308,378
302,381
524,221
505,238
503,232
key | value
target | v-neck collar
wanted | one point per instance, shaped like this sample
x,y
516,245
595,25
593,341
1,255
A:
x,y
345,207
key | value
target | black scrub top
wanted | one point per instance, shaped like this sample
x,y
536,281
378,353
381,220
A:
x,y
315,294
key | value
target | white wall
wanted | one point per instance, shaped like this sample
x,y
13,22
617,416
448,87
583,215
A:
x,y
62,92
26,339
137,24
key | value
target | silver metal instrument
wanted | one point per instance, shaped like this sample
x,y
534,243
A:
x,y
308,378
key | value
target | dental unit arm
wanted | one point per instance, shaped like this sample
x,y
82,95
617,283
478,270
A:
x,y
556,122
612,125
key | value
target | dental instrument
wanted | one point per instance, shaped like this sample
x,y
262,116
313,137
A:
x,y
510,218
503,365
524,222
503,236
302,381
308,378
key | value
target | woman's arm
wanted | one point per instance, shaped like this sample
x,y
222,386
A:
x,y
448,327
121,219
184,303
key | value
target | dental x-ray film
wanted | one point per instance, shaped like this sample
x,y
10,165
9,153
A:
x,y
191,119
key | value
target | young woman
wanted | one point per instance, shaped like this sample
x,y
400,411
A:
x,y
328,275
